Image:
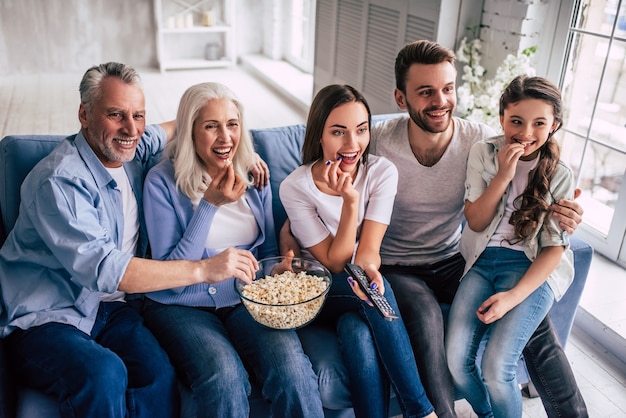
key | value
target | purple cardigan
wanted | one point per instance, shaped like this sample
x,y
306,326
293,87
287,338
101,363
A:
x,y
177,232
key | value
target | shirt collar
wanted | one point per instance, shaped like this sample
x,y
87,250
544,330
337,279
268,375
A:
x,y
100,174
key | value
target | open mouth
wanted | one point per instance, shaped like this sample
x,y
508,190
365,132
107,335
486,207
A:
x,y
223,153
348,157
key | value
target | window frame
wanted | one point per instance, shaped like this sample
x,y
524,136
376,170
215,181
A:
x,y
613,245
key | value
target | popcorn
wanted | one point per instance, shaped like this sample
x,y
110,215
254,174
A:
x,y
285,301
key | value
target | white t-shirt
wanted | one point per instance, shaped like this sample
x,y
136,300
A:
x,y
131,220
505,231
233,225
314,215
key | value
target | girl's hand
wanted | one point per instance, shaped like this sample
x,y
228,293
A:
x,y
508,156
496,306
226,187
339,181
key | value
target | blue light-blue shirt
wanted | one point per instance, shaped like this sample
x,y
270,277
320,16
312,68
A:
x,y
64,252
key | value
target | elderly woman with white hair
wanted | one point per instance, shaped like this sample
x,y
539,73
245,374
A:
x,y
199,201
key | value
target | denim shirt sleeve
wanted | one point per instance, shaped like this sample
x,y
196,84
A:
x,y
79,231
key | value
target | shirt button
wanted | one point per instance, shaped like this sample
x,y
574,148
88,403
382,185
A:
x,y
212,290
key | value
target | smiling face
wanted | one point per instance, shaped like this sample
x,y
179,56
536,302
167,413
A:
x,y
528,122
216,134
114,125
430,96
346,134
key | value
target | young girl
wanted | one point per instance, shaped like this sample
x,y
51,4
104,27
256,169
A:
x,y
517,257
339,204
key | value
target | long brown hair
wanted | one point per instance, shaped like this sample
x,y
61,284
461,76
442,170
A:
x,y
532,203
327,99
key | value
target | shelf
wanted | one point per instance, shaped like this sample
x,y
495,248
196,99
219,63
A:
x,y
183,40
190,63
197,29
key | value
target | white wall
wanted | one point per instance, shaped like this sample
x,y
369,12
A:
x,y
54,36
39,36
508,27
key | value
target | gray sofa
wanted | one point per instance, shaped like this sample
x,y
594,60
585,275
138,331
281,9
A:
x,y
280,148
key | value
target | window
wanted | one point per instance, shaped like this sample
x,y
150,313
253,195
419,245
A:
x,y
593,82
300,24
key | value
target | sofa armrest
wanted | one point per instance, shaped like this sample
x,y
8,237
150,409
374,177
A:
x,y
563,312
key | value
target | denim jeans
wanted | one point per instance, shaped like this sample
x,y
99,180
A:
x,y
419,291
552,375
120,370
492,389
213,349
392,347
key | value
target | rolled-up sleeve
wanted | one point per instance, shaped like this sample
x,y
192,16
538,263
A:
x,y
561,187
78,232
478,173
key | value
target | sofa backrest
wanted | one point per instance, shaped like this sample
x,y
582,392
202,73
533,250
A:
x,y
280,148
18,155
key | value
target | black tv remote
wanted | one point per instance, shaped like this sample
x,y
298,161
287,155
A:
x,y
379,300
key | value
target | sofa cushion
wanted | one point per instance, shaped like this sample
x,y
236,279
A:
x,y
281,149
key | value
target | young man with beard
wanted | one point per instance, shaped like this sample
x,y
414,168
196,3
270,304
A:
x,y
420,254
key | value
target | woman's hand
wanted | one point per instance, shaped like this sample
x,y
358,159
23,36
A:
x,y
339,181
260,173
287,243
231,262
226,187
285,265
376,282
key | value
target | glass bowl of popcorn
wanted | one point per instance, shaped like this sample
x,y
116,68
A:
x,y
287,292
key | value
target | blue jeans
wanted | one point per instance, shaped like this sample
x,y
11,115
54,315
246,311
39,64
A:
x,y
492,389
367,342
419,291
211,348
118,371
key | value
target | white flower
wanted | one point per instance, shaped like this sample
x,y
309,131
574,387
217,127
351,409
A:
x,y
478,98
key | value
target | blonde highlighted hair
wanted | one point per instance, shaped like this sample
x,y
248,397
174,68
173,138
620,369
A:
x,y
190,174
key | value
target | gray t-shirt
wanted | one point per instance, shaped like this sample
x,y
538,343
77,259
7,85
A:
x,y
428,211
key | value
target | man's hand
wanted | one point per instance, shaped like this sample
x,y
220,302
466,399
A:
x,y
231,262
260,173
569,213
